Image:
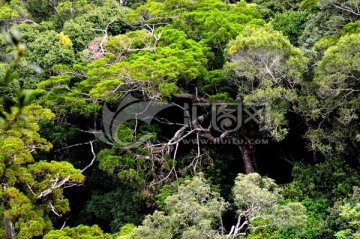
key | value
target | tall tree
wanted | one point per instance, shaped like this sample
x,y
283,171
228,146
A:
x,y
193,211
267,70
332,110
30,188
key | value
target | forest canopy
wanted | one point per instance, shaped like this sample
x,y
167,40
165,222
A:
x,y
189,119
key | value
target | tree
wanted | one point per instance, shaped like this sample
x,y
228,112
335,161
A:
x,y
332,110
79,232
212,22
83,28
14,12
352,216
115,208
343,218
331,17
257,200
193,211
51,48
31,188
291,24
267,70
331,179
269,9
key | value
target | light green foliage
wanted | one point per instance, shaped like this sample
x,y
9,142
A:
x,y
252,190
193,211
346,7
126,231
332,16
13,11
266,68
336,100
349,214
62,100
351,28
352,216
325,42
167,89
258,201
216,23
291,24
213,22
79,232
175,57
19,139
31,189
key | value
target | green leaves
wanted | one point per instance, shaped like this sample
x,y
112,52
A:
x,y
193,211
257,199
291,24
48,50
336,98
213,22
79,232
267,69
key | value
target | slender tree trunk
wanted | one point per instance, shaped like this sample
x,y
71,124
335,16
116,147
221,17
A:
x,y
9,228
247,152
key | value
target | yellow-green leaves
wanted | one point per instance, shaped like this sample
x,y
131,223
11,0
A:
x,y
79,232
26,181
64,39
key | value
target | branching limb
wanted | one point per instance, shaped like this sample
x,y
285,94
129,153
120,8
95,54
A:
x,y
93,159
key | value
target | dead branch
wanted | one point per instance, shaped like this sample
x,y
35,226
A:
x,y
343,7
93,159
54,210
105,31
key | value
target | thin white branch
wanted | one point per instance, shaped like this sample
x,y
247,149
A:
x,y
54,210
93,159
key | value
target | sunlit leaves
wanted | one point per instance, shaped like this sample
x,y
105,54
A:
x,y
193,211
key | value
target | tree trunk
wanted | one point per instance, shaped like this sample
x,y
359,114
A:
x,y
9,228
247,150
247,158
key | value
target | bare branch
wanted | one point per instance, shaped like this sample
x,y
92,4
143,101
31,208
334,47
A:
x,y
75,145
105,31
343,7
93,159
54,210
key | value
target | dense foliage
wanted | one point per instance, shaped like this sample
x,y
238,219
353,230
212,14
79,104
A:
x,y
186,119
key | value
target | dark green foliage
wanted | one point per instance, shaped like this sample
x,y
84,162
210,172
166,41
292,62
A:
x,y
342,219
188,53
331,179
270,8
114,209
291,24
